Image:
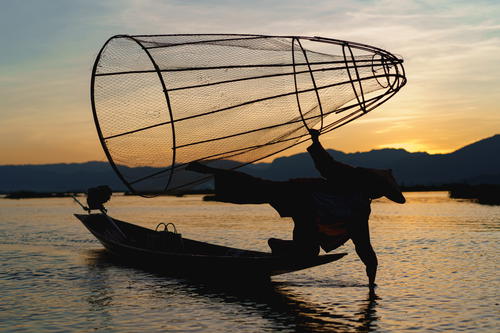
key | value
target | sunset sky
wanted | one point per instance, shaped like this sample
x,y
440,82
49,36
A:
x,y
451,50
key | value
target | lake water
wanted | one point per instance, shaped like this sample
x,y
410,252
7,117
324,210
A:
x,y
438,271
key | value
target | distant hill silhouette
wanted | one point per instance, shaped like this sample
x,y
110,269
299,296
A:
x,y
475,163
58,177
478,163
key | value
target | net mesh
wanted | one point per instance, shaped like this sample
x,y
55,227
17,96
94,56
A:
x,y
163,101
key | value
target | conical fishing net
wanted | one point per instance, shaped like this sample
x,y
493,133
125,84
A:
x,y
162,101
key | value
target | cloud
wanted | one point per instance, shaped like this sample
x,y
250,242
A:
x,y
450,49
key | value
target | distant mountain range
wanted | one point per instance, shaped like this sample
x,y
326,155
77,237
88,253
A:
x,y
478,163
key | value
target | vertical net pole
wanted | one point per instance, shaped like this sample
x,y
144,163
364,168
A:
x,y
314,83
295,83
361,101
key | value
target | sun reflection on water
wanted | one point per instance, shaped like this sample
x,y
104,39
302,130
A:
x,y
438,264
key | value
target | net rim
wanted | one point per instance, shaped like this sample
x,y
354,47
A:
x,y
96,117
398,83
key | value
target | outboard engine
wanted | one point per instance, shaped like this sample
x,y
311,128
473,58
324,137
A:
x,y
97,196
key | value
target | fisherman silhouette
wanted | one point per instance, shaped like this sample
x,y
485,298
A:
x,y
326,211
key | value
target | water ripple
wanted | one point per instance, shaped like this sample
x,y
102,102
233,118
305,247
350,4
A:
x,y
438,271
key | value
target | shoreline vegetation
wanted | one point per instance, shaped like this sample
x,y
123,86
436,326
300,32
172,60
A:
x,y
488,194
36,195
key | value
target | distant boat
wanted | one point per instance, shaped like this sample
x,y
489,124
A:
x,y
168,252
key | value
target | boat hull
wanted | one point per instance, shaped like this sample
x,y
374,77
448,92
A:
x,y
144,247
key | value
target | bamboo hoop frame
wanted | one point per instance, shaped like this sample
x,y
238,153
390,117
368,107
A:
x,y
393,82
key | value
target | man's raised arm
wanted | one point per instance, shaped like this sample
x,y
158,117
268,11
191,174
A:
x,y
325,164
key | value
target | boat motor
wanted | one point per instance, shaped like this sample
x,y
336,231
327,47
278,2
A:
x,y
97,196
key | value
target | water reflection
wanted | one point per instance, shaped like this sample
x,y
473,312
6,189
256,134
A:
x,y
276,304
438,272
99,294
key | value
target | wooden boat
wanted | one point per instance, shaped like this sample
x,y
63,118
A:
x,y
168,253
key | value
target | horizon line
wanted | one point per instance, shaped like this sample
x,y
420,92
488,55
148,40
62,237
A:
x,y
274,158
